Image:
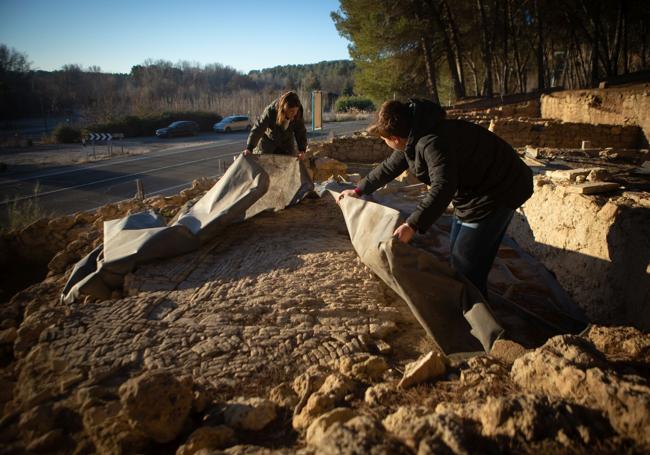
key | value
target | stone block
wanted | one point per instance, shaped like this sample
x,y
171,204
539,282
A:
x,y
427,367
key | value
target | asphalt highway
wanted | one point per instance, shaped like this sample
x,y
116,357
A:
x,y
62,190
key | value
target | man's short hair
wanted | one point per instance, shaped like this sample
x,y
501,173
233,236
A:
x,y
393,119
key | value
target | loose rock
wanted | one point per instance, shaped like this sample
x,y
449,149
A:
x,y
570,367
427,367
217,437
157,403
249,413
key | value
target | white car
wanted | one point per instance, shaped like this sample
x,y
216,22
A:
x,y
233,123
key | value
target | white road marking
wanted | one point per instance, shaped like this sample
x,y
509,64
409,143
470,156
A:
x,y
128,160
126,176
113,162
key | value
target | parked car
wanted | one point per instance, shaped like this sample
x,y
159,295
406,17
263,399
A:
x,y
180,128
233,123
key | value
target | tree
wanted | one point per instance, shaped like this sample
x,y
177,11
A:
x,y
15,81
311,82
392,48
499,43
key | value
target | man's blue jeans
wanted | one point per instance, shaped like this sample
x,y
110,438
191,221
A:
x,y
474,246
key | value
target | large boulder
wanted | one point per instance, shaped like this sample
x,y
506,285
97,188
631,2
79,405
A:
x,y
359,434
319,427
570,367
439,432
157,404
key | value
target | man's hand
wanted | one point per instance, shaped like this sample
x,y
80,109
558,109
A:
x,y
346,193
300,156
404,233
246,152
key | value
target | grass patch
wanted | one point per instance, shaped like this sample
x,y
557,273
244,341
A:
x,y
346,116
23,212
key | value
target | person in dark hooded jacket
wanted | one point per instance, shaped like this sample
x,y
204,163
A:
x,y
279,124
465,164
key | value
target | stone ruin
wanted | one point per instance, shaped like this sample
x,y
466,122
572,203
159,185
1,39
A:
x,y
275,338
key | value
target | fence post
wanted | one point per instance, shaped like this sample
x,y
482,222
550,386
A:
x,y
139,194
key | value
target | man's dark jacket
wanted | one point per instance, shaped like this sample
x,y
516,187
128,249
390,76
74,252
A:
x,y
463,163
269,137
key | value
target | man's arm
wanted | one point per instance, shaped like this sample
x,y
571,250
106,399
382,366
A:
x,y
443,173
393,166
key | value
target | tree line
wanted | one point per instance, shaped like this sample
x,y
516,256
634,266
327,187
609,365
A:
x,y
156,86
447,50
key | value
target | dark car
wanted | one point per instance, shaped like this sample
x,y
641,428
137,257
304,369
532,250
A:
x,y
180,128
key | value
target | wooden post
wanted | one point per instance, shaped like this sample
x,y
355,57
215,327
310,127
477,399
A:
x,y
139,194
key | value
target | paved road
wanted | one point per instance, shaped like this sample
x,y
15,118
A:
x,y
68,189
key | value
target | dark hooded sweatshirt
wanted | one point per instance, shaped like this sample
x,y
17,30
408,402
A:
x,y
269,137
462,162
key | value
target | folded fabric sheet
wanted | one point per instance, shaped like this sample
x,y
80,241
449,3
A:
x,y
435,293
250,186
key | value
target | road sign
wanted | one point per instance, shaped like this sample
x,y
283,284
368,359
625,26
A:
x,y
100,136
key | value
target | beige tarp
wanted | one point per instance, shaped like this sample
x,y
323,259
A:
x,y
251,185
435,293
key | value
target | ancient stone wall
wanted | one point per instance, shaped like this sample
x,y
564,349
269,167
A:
x,y
628,105
598,247
527,109
352,149
521,132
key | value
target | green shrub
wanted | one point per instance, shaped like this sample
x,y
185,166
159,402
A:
x,y
133,126
66,134
350,103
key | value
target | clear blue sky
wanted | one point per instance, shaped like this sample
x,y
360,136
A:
x,y
117,34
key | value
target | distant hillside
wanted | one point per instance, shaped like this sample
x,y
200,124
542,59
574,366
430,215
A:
x,y
156,86
335,76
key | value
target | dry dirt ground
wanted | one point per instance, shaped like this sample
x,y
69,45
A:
x,y
274,337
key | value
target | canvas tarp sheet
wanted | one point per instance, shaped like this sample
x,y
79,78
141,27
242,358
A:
x,y
434,292
250,185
